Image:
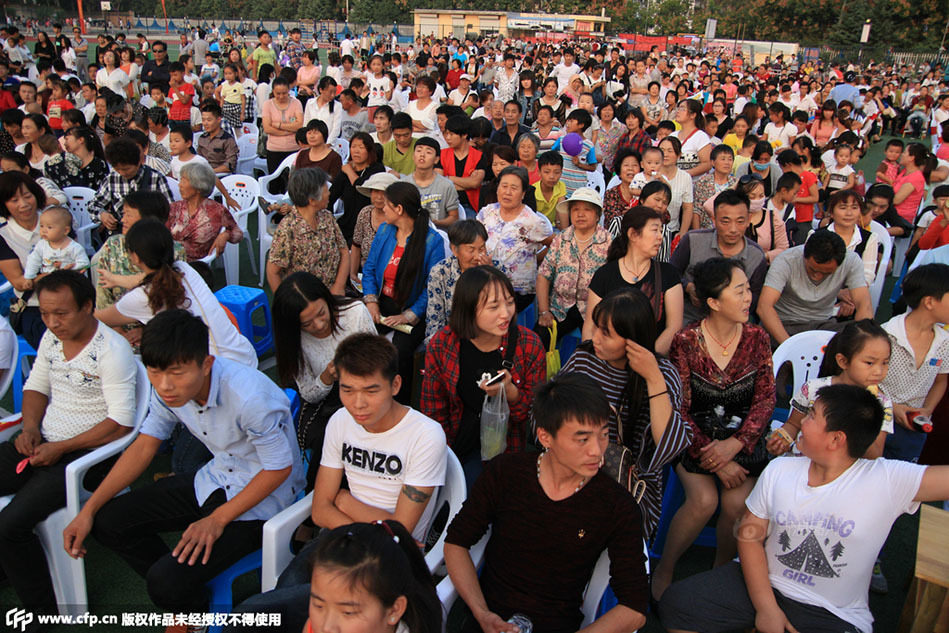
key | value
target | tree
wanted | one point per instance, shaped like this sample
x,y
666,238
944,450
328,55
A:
x,y
837,550
784,540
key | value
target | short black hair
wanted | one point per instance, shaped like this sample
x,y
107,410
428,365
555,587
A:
x,y
174,336
929,280
732,197
718,150
458,124
79,285
401,121
569,396
184,130
824,246
365,354
855,412
149,204
123,151
583,118
711,277
466,232
788,180
176,67
212,107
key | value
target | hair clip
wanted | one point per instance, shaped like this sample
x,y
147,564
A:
x,y
388,529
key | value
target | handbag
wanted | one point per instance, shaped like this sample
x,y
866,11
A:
x,y
553,354
619,464
496,412
17,308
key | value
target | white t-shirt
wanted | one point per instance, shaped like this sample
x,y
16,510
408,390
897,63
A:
x,y
346,47
779,137
177,164
378,88
838,176
224,339
824,540
377,465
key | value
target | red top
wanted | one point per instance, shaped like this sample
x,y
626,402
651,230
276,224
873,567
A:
x,y
55,109
180,110
936,235
804,212
392,268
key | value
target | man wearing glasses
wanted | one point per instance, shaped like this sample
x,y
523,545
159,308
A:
x,y
155,72
81,47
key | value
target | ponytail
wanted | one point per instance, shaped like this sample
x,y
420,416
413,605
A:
x,y
150,241
408,277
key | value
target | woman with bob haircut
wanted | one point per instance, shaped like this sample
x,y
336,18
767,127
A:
x,y
482,338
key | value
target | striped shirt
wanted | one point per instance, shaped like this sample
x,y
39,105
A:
x,y
650,458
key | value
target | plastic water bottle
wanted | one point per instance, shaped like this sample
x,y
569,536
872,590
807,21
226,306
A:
x,y
522,622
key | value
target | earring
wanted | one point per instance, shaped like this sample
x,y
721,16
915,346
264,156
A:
x,y
392,620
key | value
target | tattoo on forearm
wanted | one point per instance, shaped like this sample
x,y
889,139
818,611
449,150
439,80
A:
x,y
414,494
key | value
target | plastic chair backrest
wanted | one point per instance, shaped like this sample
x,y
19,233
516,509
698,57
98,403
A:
x,y
599,582
341,147
264,181
173,188
78,199
10,344
454,493
596,181
244,190
886,240
615,180
250,129
247,146
805,351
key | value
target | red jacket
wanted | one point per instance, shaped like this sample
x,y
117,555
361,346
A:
x,y
471,162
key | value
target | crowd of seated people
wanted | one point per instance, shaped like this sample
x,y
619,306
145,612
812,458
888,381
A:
x,y
456,216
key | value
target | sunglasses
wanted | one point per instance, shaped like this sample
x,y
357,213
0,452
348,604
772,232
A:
x,y
749,178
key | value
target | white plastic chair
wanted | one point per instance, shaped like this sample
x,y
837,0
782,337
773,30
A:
x,y
280,528
886,240
246,154
599,581
341,147
613,182
249,129
596,181
264,181
68,574
805,352
12,344
194,140
79,199
173,188
447,593
245,190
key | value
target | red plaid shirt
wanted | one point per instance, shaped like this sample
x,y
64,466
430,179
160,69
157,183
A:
x,y
440,400
639,142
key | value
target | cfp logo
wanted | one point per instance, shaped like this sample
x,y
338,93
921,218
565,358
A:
x,y
19,619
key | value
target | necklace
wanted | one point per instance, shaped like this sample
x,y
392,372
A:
x,y
584,242
636,277
575,490
724,346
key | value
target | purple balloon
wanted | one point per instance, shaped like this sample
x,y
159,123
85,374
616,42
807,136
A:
x,y
572,144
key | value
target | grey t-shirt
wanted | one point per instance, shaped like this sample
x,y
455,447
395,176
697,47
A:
x,y
350,124
803,301
438,197
200,50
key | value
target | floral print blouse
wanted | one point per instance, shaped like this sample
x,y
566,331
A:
x,y
297,246
570,269
114,258
66,170
198,232
515,243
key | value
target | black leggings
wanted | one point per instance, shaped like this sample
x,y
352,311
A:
x,y
406,344
273,162
571,321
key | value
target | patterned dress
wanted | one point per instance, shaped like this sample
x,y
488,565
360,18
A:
x,y
569,270
745,389
297,246
198,232
515,243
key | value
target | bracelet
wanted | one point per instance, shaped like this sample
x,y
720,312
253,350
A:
x,y
784,435
546,312
656,395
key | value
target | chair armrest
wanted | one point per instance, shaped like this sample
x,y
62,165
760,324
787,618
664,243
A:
x,y
6,287
77,469
10,425
446,589
278,531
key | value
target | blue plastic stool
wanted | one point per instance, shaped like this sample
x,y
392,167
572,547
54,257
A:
x,y
672,499
25,350
243,302
528,316
222,598
568,345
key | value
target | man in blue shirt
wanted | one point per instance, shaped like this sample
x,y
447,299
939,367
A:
x,y
244,420
847,91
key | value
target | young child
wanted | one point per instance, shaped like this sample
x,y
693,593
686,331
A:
x,y
575,168
857,355
664,129
158,97
860,181
812,529
379,86
744,154
890,165
651,165
230,95
55,250
58,104
918,368
779,132
781,206
549,191
840,175
180,94
210,70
